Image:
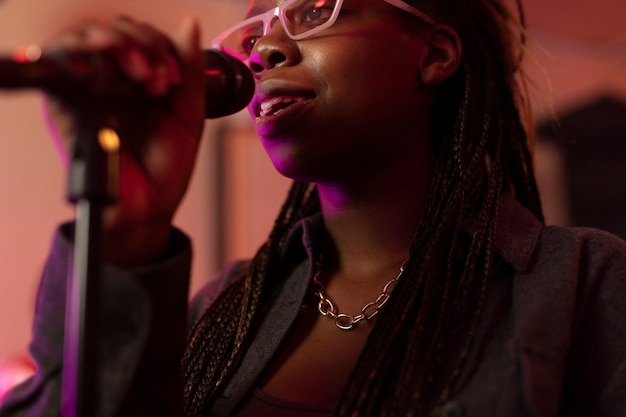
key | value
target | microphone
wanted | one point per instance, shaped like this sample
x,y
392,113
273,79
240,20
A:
x,y
83,75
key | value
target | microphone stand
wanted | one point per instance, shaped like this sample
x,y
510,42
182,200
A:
x,y
92,185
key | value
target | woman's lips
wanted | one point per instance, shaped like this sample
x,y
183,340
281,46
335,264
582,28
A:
x,y
273,105
276,113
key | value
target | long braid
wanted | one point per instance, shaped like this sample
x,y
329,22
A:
x,y
430,285
223,332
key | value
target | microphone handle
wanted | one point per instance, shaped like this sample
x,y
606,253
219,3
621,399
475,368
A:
x,y
229,84
84,76
61,72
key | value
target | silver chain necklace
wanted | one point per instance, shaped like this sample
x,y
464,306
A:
x,y
346,321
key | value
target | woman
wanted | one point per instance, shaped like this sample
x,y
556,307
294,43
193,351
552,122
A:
x,y
408,273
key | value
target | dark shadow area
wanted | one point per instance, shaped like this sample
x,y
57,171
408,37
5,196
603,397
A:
x,y
592,139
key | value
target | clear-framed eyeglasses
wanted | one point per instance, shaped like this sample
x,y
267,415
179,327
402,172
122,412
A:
x,y
300,19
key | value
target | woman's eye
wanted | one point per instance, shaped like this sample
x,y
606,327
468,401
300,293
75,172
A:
x,y
318,14
247,44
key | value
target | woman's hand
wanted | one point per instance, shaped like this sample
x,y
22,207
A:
x,y
159,134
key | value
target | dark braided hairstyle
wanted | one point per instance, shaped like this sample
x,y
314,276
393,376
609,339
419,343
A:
x,y
480,126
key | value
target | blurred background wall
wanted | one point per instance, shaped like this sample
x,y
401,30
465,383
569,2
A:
x,y
32,179
579,47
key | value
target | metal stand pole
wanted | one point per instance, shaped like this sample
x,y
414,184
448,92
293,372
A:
x,y
93,182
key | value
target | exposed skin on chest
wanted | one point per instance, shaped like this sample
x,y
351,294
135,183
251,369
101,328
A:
x,y
316,360
317,357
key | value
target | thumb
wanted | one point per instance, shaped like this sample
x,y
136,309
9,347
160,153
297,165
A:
x,y
188,39
191,91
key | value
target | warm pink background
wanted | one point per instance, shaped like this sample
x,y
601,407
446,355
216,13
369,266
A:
x,y
583,52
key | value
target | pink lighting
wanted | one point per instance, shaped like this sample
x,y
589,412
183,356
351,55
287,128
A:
x,y
13,371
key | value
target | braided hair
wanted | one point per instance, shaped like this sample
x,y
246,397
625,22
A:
x,y
483,139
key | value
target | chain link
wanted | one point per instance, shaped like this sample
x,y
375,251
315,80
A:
x,y
346,321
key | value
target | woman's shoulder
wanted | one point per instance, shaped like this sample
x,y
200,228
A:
x,y
569,308
532,247
587,237
586,285
592,251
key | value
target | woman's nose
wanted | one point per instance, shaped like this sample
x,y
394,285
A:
x,y
274,49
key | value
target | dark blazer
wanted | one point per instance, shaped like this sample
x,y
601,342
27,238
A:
x,y
552,340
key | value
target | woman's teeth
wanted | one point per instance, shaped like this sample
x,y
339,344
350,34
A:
x,y
273,105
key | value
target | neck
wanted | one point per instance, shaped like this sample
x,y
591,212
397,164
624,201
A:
x,y
372,221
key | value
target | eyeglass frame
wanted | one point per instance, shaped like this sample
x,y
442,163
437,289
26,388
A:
x,y
268,17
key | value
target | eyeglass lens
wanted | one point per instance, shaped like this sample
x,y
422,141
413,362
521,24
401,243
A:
x,y
299,18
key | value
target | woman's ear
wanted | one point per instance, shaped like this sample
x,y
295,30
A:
x,y
443,56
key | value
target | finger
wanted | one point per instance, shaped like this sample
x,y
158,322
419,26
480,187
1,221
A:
x,y
85,35
149,47
94,36
158,47
142,54
192,59
188,45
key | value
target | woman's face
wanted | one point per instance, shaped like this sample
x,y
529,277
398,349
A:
x,y
343,102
